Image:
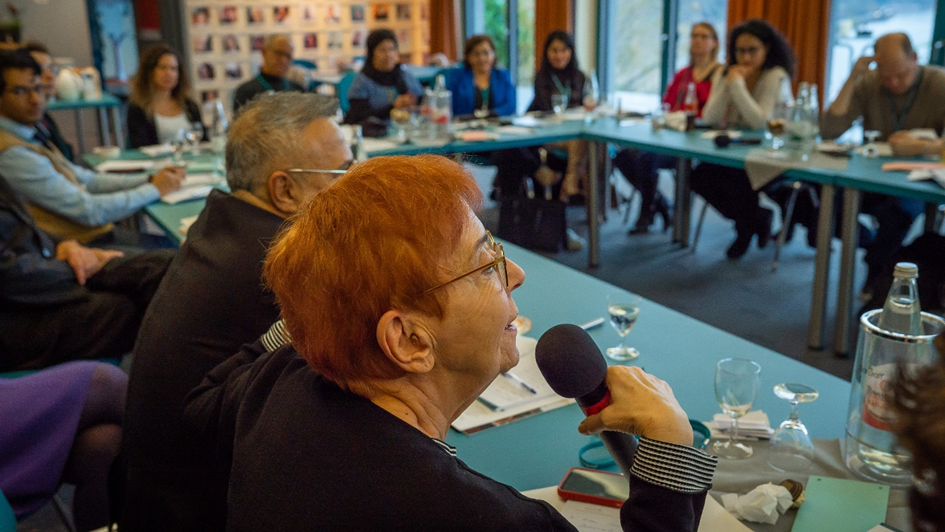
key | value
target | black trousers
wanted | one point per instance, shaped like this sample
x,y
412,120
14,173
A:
x,y
729,192
641,168
515,167
105,325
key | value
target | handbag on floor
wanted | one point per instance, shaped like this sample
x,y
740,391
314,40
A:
x,y
533,223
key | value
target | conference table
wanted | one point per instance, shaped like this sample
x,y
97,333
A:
x,y
536,452
861,175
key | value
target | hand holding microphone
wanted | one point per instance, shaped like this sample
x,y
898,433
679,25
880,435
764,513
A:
x,y
640,404
618,401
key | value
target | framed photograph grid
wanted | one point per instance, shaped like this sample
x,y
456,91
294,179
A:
x,y
225,36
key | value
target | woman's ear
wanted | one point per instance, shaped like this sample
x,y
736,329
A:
x,y
406,341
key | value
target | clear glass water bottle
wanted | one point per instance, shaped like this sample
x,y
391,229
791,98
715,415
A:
x,y
443,110
897,334
357,147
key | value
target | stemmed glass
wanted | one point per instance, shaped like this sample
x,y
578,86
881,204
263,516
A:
x,y
623,309
737,381
791,448
559,102
871,150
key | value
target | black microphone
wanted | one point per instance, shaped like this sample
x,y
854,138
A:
x,y
724,141
574,367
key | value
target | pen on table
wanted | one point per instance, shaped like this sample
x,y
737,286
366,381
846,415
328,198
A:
x,y
593,323
521,382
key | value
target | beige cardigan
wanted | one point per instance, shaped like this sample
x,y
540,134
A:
x,y
733,104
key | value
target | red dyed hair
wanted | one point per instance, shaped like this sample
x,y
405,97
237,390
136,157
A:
x,y
372,242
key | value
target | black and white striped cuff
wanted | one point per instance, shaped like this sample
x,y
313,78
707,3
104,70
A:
x,y
276,337
676,467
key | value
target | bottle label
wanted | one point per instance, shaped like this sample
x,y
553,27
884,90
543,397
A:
x,y
877,389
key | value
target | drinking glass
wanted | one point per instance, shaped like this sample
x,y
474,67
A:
x,y
737,381
193,136
791,448
871,150
559,102
623,308
178,146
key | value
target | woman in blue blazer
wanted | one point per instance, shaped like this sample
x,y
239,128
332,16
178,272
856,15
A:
x,y
478,86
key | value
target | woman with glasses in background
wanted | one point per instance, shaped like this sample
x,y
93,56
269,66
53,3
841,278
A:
x,y
642,168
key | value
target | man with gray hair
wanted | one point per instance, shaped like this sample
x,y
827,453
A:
x,y
277,59
281,151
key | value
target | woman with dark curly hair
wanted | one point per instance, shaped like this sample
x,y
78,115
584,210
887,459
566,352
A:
x,y
744,95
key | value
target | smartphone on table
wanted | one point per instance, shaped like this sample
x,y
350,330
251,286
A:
x,y
593,486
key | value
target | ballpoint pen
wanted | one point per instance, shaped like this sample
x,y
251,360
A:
x,y
593,323
521,382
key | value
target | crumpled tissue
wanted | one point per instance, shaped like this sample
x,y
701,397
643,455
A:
x,y
761,505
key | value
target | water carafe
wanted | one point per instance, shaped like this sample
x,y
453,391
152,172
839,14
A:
x,y
899,333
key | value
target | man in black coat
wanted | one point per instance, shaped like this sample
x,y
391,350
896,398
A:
x,y
281,151
62,301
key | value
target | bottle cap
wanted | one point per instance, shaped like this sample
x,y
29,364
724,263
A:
x,y
906,270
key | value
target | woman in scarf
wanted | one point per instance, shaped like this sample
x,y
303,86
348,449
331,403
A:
x,y
382,85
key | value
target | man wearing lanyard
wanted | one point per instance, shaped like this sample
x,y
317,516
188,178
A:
x,y
277,59
896,98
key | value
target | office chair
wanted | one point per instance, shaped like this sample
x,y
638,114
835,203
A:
x,y
787,214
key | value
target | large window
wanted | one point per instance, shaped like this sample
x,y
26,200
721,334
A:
x,y
636,57
519,15
855,25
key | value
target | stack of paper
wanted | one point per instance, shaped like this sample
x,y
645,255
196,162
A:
x,y
509,398
753,425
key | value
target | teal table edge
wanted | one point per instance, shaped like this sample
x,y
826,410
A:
x,y
107,100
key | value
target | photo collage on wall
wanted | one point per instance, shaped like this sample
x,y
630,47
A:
x,y
226,36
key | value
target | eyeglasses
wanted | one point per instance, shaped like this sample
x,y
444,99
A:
x,y
21,90
337,171
749,50
498,263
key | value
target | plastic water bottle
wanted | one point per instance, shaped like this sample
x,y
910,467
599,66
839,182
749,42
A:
x,y
443,109
870,448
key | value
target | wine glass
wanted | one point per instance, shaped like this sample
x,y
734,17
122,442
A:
x,y
559,102
736,388
791,448
623,308
871,150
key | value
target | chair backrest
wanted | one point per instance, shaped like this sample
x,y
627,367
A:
x,y
7,518
305,63
342,89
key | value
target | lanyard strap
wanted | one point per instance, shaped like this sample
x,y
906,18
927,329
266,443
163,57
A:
x,y
285,86
899,116
562,89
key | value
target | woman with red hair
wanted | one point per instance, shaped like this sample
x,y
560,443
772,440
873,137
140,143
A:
x,y
399,306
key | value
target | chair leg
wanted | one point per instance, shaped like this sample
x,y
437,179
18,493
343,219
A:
x,y
695,239
64,513
785,225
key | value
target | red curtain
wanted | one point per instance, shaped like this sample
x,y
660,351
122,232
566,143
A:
x,y
443,30
551,15
805,24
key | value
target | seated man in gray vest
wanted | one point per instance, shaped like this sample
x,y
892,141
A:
x,y
68,201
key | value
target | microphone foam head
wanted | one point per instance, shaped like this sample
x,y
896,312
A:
x,y
722,141
570,361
